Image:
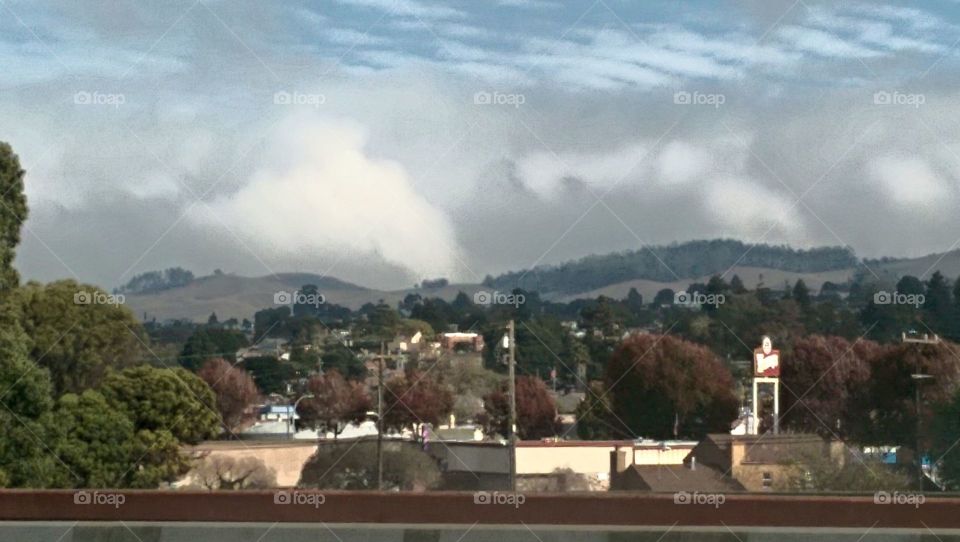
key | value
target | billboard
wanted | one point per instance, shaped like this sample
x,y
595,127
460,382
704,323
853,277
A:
x,y
766,360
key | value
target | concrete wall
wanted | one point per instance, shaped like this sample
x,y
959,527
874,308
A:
x,y
286,458
655,456
589,460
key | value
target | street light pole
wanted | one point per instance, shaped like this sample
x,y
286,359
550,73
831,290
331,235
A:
x,y
918,377
290,415
512,389
380,418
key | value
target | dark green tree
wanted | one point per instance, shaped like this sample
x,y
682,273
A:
x,y
383,321
25,416
945,432
207,344
95,441
270,374
77,334
343,360
271,323
801,294
173,400
13,212
937,305
663,297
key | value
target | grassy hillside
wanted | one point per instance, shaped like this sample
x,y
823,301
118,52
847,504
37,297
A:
x,y
233,296
751,277
947,263
676,262
611,275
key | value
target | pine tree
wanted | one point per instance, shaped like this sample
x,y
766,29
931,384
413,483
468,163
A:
x,y
13,212
801,294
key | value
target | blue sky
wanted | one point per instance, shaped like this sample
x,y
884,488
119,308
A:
x,y
384,141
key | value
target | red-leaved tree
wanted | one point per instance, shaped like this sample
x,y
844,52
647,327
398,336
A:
x,y
823,379
536,410
235,390
664,387
335,403
891,395
414,399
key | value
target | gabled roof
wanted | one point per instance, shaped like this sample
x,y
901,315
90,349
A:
x,y
674,478
766,448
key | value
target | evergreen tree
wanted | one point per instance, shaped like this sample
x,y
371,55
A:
x,y
13,212
937,305
736,285
801,294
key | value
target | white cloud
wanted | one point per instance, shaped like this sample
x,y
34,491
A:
x,y
910,181
543,172
824,44
681,162
321,193
749,210
351,37
410,8
529,4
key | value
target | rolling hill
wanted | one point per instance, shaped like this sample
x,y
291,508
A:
x,y
611,275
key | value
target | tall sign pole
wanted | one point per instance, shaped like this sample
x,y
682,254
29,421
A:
x,y
512,390
380,417
766,370
918,378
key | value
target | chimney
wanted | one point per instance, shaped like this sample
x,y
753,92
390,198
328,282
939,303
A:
x,y
693,462
618,461
618,465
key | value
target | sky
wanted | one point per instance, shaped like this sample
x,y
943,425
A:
x,y
387,141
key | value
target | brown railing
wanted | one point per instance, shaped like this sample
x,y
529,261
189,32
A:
x,y
594,509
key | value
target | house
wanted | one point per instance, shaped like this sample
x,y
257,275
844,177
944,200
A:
x,y
688,477
405,344
760,462
590,459
471,466
461,342
277,413
272,348
725,463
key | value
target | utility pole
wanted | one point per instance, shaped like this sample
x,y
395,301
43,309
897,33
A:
x,y
512,388
380,418
918,377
